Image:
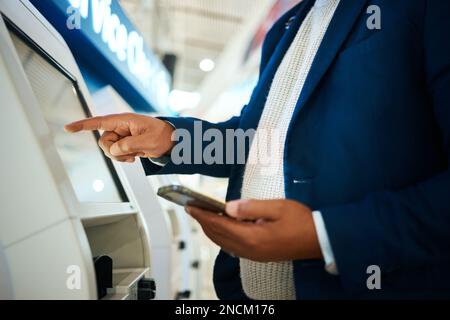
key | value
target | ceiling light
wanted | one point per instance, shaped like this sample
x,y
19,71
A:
x,y
207,65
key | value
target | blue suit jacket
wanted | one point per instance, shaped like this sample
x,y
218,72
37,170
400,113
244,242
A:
x,y
368,146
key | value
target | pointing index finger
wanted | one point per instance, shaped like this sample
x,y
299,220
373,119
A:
x,y
90,124
115,123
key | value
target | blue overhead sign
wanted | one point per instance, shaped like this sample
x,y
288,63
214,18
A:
x,y
104,40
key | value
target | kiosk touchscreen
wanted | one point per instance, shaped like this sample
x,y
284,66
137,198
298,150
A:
x,y
92,177
68,226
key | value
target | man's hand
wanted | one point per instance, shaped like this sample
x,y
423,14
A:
x,y
263,231
127,136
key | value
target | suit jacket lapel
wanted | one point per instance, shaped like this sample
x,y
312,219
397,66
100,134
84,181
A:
x,y
341,25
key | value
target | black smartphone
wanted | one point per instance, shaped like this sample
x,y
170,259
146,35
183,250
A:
x,y
186,197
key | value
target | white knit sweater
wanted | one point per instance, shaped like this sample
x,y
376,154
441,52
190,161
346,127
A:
x,y
276,280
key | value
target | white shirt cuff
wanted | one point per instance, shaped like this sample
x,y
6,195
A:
x,y
325,245
163,161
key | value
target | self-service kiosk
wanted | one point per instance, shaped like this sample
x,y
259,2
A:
x,y
172,234
70,226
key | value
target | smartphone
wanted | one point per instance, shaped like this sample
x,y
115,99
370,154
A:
x,y
186,197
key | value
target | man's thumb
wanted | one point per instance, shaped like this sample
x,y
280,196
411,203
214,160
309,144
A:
x,y
254,209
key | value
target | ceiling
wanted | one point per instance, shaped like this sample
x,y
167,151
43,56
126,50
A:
x,y
191,29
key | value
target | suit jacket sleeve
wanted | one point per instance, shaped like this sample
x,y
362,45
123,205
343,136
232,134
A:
x,y
408,228
221,169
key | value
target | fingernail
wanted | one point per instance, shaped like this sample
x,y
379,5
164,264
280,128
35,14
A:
x,y
188,210
232,207
114,150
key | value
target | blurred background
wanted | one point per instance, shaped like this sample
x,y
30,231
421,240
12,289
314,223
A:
x,y
212,46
